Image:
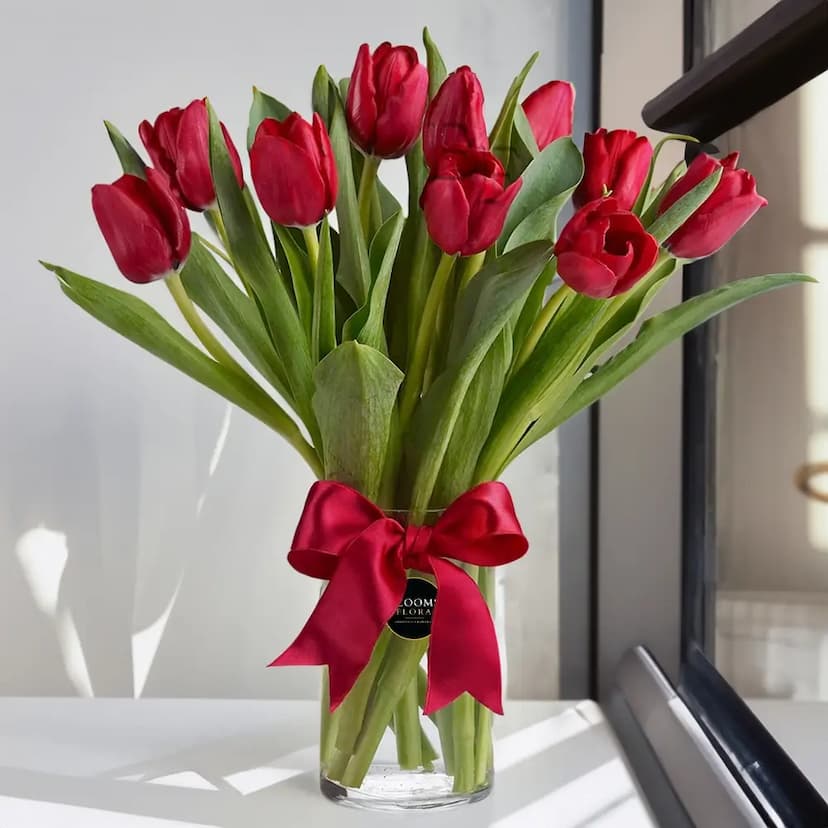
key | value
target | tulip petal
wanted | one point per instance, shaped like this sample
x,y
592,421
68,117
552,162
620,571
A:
x,y
327,161
133,233
171,214
586,275
287,181
550,110
193,156
487,219
399,123
361,104
645,249
447,213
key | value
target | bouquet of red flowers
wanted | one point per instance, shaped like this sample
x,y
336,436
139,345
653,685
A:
x,y
409,352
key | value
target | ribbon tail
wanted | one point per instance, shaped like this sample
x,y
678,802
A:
x,y
344,626
463,654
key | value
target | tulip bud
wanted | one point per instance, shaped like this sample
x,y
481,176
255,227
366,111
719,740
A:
x,y
603,250
386,99
465,202
550,110
454,119
725,211
294,170
179,144
618,162
144,224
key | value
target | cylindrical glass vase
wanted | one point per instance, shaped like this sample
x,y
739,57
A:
x,y
379,751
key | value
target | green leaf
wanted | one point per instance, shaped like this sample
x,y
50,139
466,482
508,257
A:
x,y
323,92
356,389
641,200
670,220
483,310
257,268
651,210
540,225
142,324
131,161
209,286
299,270
553,175
523,148
324,306
383,254
501,135
263,106
655,334
354,272
469,435
434,62
532,307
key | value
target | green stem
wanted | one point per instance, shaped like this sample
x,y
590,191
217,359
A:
x,y
216,222
367,185
330,723
463,738
544,318
401,662
407,721
470,268
217,250
417,362
198,327
312,246
355,706
483,725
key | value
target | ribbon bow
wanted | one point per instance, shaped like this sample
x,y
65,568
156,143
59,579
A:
x,y
346,539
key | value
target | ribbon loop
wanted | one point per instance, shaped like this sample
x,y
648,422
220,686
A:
x,y
344,538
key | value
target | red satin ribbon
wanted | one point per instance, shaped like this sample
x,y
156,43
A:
x,y
346,539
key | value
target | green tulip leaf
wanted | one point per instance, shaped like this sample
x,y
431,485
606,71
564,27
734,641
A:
x,y
523,148
655,334
209,286
551,177
131,161
356,390
257,268
263,106
142,324
638,207
483,310
323,92
299,269
323,337
670,220
501,135
651,210
434,63
472,429
532,307
354,272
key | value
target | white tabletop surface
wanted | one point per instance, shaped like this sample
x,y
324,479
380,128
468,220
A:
x,y
116,763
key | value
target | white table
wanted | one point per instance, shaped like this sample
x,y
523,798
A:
x,y
118,763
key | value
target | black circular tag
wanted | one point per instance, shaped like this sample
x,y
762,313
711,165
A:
x,y
412,619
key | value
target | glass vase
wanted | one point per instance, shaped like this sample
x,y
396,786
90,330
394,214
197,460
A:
x,y
379,751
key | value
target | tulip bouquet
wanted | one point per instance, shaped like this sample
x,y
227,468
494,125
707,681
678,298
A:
x,y
409,353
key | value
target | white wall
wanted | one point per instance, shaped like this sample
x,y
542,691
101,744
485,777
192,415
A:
x,y
143,523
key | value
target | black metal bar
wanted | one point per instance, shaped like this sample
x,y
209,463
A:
x,y
772,57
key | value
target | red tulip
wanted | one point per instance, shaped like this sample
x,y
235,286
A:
x,y
725,211
616,161
294,170
144,225
454,119
603,250
550,110
179,144
386,99
465,202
